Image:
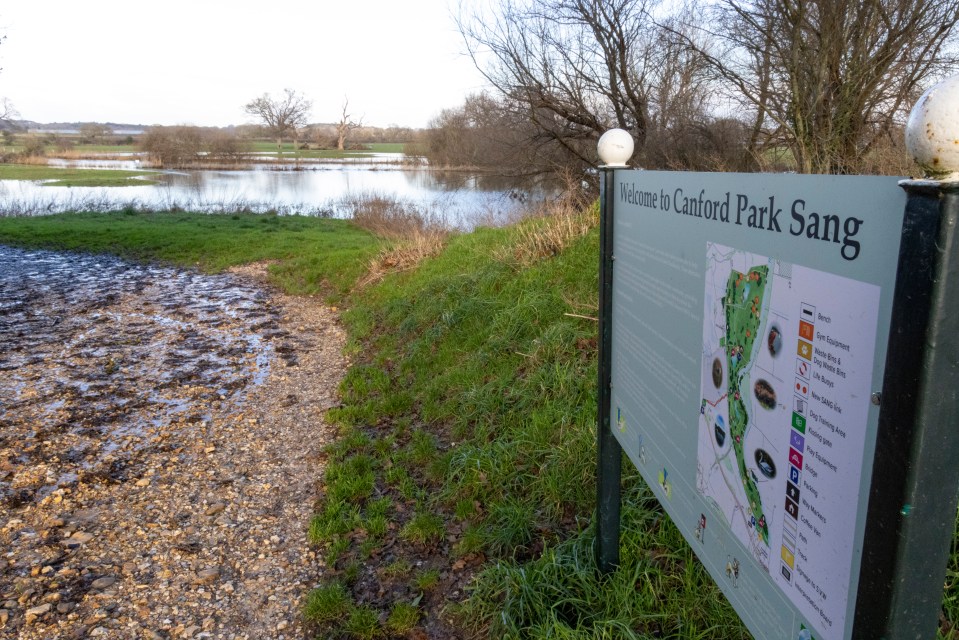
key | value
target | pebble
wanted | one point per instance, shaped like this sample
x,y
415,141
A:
x,y
207,576
35,612
79,537
215,508
103,583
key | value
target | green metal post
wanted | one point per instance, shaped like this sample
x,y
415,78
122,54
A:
x,y
610,457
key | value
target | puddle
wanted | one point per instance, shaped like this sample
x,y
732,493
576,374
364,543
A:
x,y
99,358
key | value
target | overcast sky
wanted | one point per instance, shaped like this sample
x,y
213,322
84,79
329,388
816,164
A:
x,y
199,61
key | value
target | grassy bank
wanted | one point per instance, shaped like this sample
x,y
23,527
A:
x,y
458,497
67,177
308,255
463,485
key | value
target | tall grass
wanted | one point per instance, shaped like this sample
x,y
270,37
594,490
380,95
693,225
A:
x,y
414,232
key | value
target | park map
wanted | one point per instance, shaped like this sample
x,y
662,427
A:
x,y
735,463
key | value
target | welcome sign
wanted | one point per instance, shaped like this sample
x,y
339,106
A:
x,y
750,323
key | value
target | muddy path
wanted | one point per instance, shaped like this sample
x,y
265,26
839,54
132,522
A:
x,y
159,441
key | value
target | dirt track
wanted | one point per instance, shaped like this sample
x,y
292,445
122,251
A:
x,y
159,435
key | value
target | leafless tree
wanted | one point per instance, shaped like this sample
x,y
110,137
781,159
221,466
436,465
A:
x,y
281,116
829,79
185,146
95,132
7,112
176,146
581,67
346,125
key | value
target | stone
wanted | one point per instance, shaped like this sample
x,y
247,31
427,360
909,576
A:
x,y
36,612
78,537
207,576
103,583
215,508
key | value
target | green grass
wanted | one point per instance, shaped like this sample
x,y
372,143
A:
x,y
287,150
494,451
328,604
68,177
310,255
403,618
103,148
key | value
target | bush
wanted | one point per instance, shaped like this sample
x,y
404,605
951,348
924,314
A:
x,y
183,145
34,146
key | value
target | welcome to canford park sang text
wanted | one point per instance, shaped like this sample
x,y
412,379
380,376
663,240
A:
x,y
764,214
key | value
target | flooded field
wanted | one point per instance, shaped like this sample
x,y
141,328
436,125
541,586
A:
x,y
97,356
464,200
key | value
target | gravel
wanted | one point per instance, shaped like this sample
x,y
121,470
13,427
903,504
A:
x,y
154,485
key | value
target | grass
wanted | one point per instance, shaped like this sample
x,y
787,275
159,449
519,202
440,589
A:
x,y
459,493
479,368
67,177
307,255
287,150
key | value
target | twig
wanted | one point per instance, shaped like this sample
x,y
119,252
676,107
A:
x,y
576,315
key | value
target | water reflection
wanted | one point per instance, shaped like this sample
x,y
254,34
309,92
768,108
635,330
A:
x,y
99,357
315,189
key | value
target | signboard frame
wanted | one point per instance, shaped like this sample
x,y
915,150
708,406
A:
x,y
912,497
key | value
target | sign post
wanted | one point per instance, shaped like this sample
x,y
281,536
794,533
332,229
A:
x,y
615,147
778,358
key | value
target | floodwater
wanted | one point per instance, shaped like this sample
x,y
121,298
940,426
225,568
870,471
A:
x,y
98,356
311,188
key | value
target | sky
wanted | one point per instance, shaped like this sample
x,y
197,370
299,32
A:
x,y
398,62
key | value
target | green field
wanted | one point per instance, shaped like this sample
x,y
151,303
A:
x,y
68,177
287,150
462,482
311,255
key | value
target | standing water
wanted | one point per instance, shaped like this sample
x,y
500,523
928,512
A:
x,y
324,189
98,355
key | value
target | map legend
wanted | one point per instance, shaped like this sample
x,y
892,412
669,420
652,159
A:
x,y
797,440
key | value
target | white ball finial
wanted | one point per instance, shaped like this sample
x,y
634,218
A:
x,y
615,147
932,133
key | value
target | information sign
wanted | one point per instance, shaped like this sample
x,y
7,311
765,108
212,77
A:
x,y
750,321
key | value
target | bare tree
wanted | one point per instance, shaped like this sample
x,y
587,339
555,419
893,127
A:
x,y
281,116
581,67
95,132
346,125
829,79
7,113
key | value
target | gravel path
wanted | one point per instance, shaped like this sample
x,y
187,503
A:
x,y
159,455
